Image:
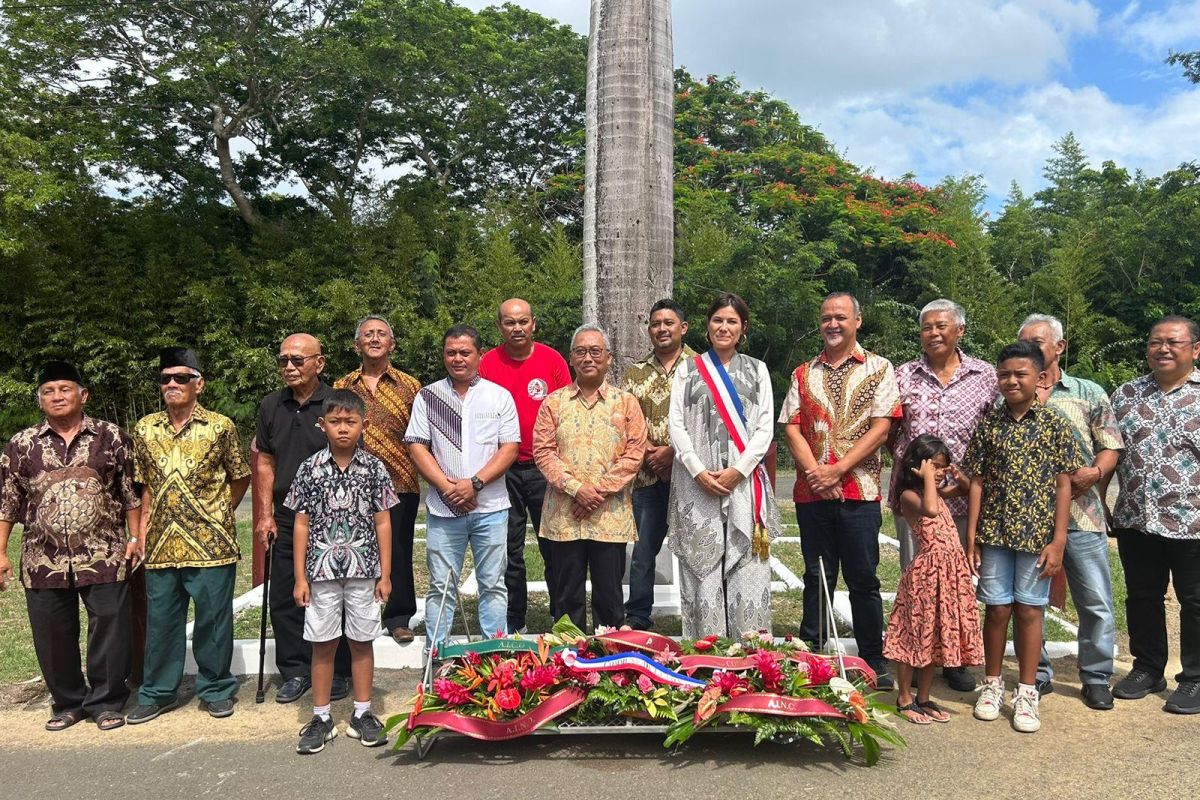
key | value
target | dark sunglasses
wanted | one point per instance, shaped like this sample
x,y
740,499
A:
x,y
295,361
183,379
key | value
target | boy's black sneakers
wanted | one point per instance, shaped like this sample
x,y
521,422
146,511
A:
x,y
367,729
315,734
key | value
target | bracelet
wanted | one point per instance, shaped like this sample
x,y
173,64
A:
x,y
134,540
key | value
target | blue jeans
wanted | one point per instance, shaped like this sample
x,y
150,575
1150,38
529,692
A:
x,y
1007,576
445,549
1086,563
650,513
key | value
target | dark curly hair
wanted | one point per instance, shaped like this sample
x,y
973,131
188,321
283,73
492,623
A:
x,y
924,447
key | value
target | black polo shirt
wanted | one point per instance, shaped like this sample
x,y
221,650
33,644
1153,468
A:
x,y
289,431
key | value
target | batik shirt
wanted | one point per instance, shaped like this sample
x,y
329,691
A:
x,y
834,407
341,506
651,385
72,502
388,410
1019,462
1159,472
1085,407
601,444
188,472
948,412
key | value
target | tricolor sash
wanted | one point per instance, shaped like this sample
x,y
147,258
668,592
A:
x,y
733,415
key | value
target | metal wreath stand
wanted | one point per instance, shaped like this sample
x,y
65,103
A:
x,y
425,743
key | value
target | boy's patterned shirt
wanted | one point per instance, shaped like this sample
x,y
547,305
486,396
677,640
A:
x,y
341,507
1019,461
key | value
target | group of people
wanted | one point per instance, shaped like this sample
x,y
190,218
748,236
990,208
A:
x,y
1000,476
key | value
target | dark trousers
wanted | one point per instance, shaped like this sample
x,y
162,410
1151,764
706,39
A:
x,y
573,562
526,491
137,635
169,592
54,618
650,513
402,603
293,655
845,533
1149,562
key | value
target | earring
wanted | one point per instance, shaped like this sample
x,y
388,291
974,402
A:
x,y
743,340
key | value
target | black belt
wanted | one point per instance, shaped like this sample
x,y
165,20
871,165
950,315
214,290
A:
x,y
524,465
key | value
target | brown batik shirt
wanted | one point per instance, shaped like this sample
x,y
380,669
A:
x,y
71,500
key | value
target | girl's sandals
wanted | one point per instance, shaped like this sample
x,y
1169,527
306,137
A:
x,y
914,714
932,710
65,719
109,720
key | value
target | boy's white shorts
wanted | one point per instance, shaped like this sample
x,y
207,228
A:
x,y
327,601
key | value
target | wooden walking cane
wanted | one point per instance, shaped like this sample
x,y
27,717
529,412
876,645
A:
x,y
260,696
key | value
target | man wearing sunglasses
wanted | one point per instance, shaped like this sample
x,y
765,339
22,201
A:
x,y
193,474
287,434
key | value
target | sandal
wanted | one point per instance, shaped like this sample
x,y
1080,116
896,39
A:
x,y
65,719
913,713
932,710
109,720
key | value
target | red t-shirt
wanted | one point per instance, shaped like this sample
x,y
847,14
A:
x,y
528,382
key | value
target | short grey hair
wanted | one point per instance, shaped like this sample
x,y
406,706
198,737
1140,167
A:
x,y
944,306
368,318
1056,327
853,299
587,327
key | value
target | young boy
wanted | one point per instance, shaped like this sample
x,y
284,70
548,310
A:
x,y
342,560
1019,504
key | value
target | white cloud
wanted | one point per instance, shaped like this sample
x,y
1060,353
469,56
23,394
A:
x,y
1153,33
1009,137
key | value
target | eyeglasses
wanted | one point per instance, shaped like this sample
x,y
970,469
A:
x,y
1173,344
183,379
295,361
594,352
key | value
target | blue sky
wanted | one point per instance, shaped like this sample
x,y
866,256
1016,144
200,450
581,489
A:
x,y
947,87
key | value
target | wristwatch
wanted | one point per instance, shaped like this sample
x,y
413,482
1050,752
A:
x,y
476,484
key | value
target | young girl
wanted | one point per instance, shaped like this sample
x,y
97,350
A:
x,y
935,621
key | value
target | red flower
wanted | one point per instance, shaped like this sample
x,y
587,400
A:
x,y
592,678
451,693
702,645
620,679
473,658
538,678
769,670
508,699
730,683
820,670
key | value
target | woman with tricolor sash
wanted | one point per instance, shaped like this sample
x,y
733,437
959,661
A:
x,y
723,520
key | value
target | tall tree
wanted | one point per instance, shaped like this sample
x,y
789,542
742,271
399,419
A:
x,y
628,225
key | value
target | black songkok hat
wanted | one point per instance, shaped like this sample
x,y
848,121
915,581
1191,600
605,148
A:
x,y
59,371
178,357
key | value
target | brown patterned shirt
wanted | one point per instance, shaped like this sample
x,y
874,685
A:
x,y
388,410
72,500
651,385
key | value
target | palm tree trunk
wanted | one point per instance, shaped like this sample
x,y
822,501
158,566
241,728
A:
x,y
628,224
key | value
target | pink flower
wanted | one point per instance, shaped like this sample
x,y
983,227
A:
x,y
538,678
620,679
592,678
645,684
665,657
508,699
473,658
451,693
820,670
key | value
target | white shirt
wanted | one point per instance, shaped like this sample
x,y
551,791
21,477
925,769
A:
x,y
463,433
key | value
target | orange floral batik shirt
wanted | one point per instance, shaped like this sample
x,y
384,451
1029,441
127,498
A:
x,y
388,410
602,445
834,407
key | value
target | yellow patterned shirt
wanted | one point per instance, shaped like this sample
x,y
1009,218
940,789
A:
x,y
602,445
188,473
651,385
388,410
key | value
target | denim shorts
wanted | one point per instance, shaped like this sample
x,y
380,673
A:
x,y
1007,575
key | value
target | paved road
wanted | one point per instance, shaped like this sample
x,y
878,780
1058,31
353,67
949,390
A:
x,y
1135,751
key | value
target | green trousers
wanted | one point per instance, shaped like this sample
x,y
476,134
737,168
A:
x,y
168,592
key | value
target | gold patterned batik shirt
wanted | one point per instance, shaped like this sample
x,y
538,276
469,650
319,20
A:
x,y
602,445
188,473
651,385
1019,461
388,410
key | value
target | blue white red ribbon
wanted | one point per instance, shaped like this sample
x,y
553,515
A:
x,y
636,662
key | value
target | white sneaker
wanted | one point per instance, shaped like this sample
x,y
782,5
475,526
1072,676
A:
x,y
991,699
1025,711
